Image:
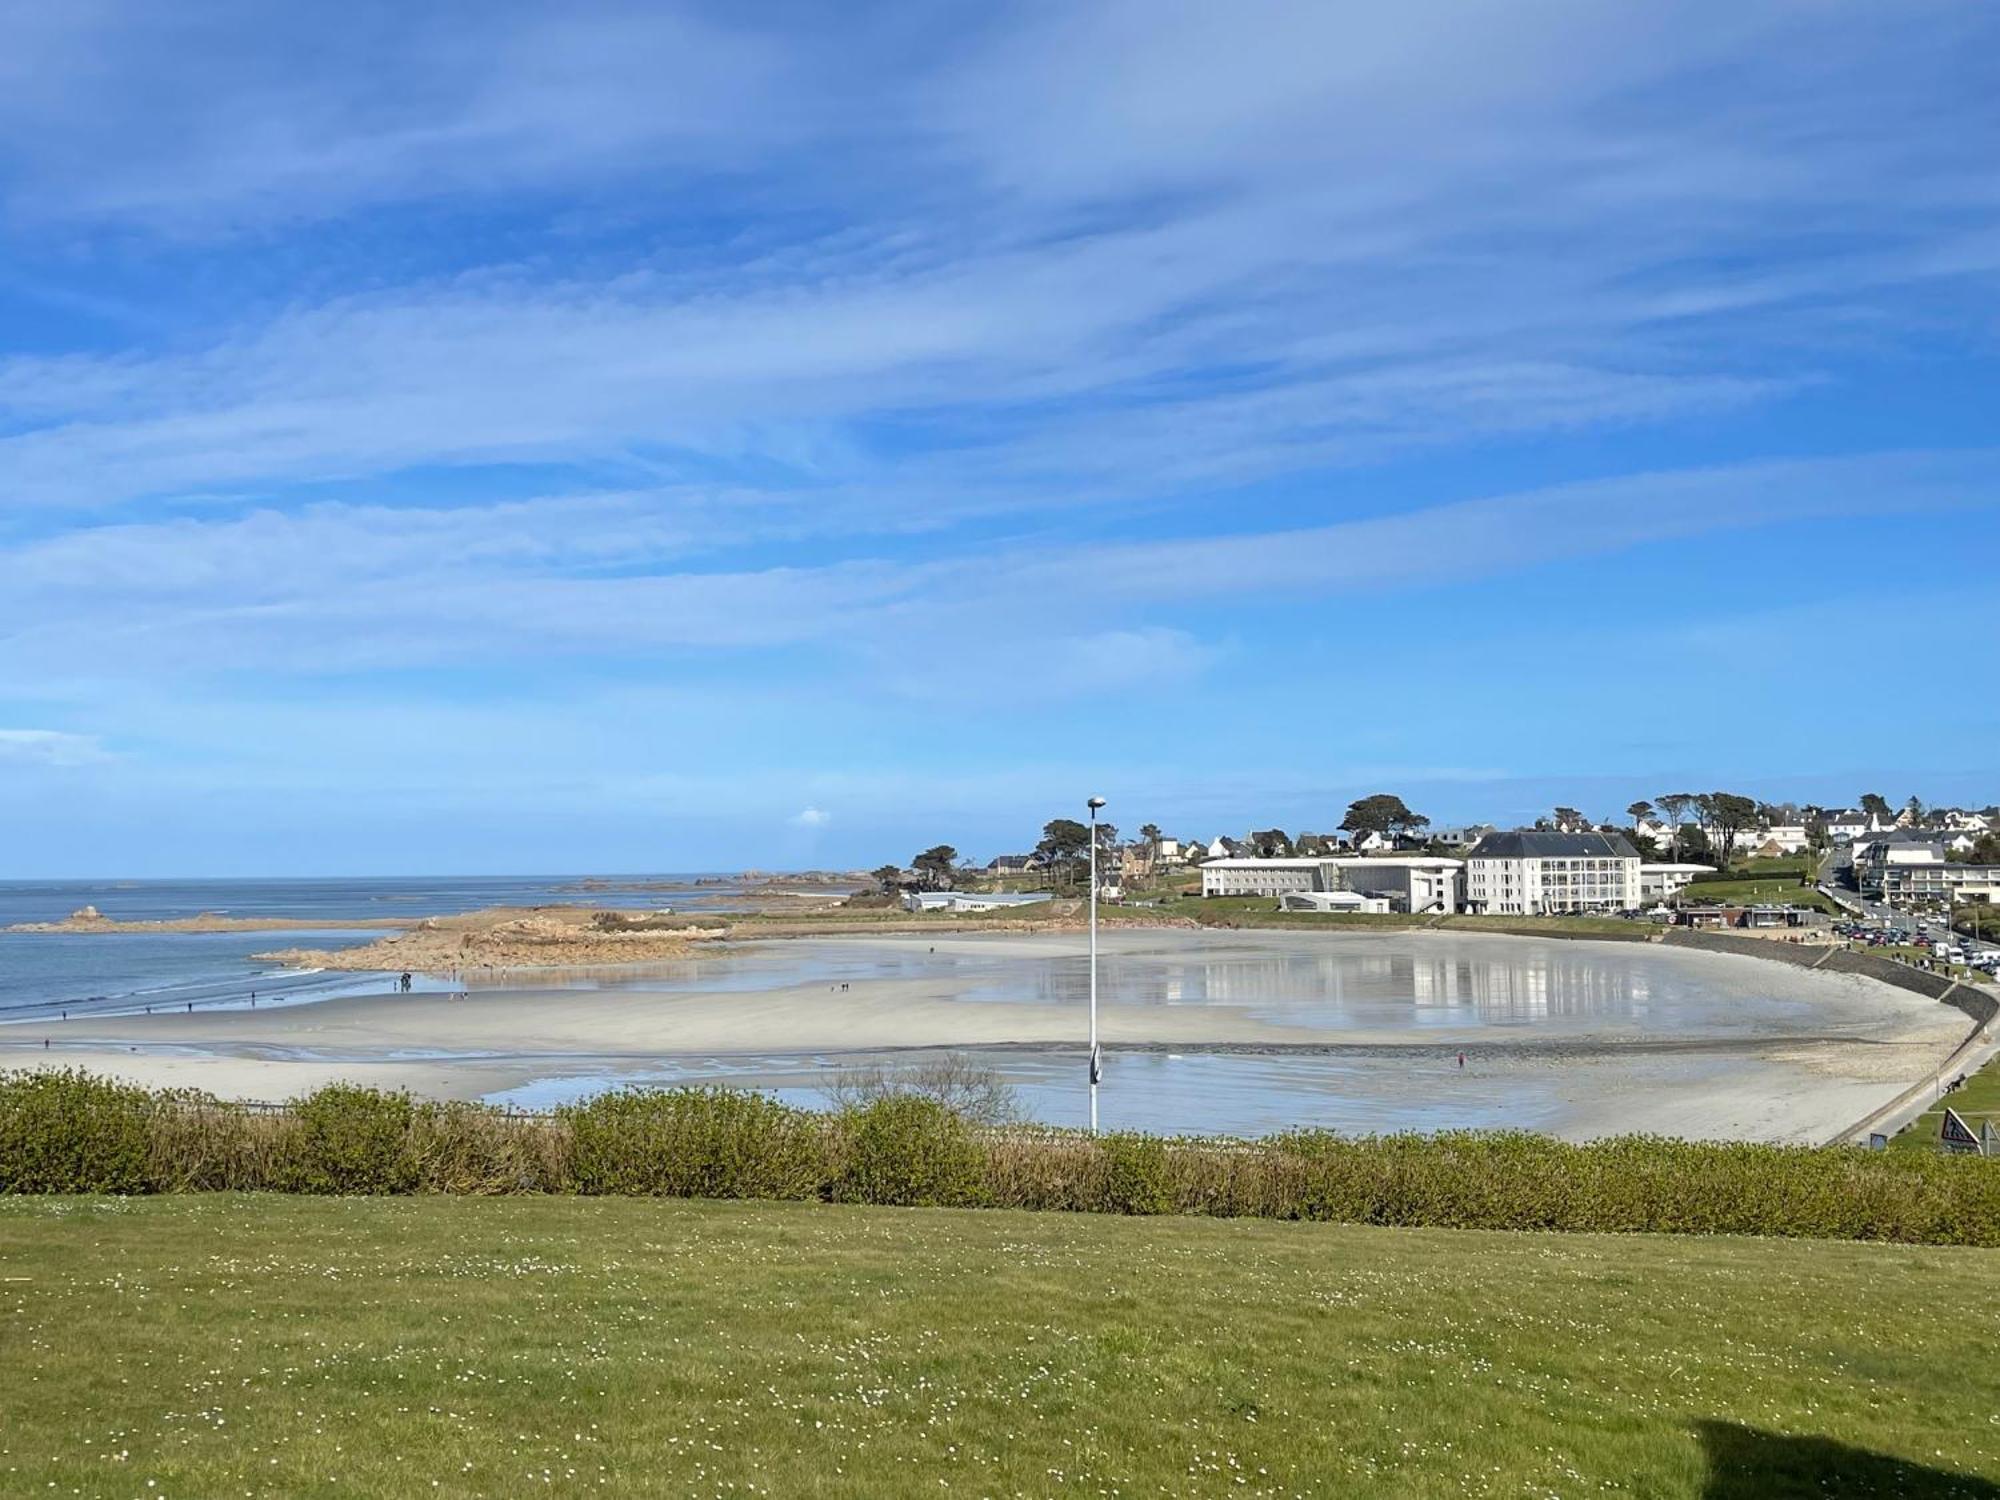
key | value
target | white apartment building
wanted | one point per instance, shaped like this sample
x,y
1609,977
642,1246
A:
x,y
1540,874
1907,872
1912,882
1664,882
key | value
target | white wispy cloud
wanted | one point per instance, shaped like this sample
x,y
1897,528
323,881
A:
x,y
812,817
1298,237
337,588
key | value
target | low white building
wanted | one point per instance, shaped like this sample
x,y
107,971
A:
x,y
1779,839
963,901
1331,901
1266,877
1409,882
1662,882
1540,874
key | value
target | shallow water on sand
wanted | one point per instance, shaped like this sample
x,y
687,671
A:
x,y
1403,982
1558,1035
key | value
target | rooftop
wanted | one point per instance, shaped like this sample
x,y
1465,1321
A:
x,y
1530,844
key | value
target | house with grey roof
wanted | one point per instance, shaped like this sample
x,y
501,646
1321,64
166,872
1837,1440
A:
x,y
1530,873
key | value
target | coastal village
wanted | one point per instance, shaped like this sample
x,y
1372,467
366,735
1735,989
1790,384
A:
x,y
1915,878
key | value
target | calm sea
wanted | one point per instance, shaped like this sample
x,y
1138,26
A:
x,y
47,973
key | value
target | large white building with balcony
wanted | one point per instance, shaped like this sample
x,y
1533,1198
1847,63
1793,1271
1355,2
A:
x,y
1544,874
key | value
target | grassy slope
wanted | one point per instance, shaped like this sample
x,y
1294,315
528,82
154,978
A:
x,y
1977,1101
1779,891
307,1347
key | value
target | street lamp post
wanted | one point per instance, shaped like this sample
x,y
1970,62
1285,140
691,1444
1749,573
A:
x,y
1096,1070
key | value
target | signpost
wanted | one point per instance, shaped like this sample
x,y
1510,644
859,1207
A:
x,y
1956,1136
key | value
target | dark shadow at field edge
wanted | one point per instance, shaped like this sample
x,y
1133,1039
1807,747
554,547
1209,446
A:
x,y
1746,1464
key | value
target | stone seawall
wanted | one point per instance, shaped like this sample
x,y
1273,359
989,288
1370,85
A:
x,y
1804,955
1974,1001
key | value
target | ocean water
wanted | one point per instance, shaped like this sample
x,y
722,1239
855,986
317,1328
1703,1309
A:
x,y
45,974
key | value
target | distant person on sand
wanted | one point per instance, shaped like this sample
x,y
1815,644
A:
x,y
1461,1062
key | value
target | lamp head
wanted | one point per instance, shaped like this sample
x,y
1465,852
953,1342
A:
x,y
1095,803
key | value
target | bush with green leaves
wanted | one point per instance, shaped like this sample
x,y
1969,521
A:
x,y
69,1132
694,1143
64,1132
347,1139
908,1151
1138,1175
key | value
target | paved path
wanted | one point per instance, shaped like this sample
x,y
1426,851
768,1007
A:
x,y
1975,1052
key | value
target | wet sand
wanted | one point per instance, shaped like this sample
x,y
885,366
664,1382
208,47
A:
x,y
1354,1032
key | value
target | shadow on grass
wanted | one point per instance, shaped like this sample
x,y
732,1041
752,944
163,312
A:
x,y
1746,1464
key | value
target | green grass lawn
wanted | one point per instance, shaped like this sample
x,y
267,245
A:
x,y
185,1348
1781,890
1976,1101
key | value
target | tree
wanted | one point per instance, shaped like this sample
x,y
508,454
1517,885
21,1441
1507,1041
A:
x,y
1382,813
1569,820
934,867
1726,815
1150,832
1693,846
1640,812
1065,842
1271,843
1675,805
1914,808
890,878
1985,850
1877,807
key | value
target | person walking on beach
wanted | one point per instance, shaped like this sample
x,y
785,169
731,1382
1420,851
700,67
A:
x,y
1461,1062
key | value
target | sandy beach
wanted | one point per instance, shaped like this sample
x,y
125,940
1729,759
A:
x,y
1736,1048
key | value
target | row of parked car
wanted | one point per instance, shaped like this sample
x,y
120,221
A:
x,y
1929,935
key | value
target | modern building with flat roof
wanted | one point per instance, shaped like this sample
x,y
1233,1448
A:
x,y
1242,876
1408,882
961,901
1331,901
1662,881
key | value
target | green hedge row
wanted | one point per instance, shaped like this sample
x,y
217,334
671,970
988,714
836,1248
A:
x,y
72,1133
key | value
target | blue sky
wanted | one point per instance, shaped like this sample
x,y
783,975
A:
x,y
502,437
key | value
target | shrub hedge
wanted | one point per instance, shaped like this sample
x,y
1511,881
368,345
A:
x,y
68,1132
